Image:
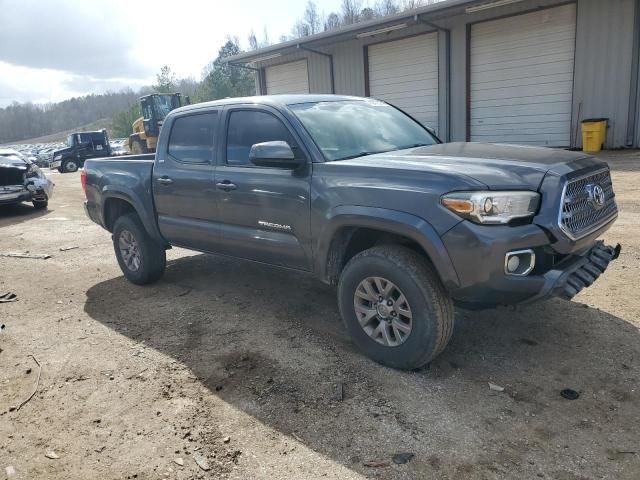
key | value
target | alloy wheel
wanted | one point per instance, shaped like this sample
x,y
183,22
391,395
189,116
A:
x,y
130,250
383,311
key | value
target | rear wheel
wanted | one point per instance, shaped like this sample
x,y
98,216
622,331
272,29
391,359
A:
x,y
395,307
70,166
141,259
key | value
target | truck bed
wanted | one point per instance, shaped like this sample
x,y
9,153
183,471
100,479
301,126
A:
x,y
127,178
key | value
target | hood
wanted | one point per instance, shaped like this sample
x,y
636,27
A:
x,y
494,165
62,151
12,161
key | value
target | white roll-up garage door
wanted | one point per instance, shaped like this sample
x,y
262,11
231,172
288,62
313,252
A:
x,y
405,74
522,78
288,78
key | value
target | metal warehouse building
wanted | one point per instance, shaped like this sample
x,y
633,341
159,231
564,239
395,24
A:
x,y
515,71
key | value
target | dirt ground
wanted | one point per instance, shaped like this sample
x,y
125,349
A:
x,y
238,365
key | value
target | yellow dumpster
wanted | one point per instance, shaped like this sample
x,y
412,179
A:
x,y
594,133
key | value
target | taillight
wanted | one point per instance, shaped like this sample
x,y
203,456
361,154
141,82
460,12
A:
x,y
83,180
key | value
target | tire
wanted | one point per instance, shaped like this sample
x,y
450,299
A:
x,y
151,256
428,310
40,204
70,166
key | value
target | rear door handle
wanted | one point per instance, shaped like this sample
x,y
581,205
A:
x,y
165,181
226,185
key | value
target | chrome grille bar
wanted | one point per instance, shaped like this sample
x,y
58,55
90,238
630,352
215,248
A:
x,y
580,212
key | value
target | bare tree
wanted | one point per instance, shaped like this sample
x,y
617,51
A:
x,y
300,29
253,41
386,7
312,18
332,22
255,44
367,13
351,11
411,4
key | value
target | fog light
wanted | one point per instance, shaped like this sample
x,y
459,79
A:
x,y
519,263
513,263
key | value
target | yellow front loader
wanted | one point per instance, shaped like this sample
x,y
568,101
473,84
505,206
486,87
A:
x,y
154,108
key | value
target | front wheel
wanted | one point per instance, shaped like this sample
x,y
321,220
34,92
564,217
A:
x,y
40,204
141,259
70,166
395,307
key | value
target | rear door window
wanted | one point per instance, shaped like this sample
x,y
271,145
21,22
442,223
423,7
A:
x,y
192,136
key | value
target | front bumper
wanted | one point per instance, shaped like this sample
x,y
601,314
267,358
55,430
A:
x,y
15,194
55,164
38,189
478,254
579,272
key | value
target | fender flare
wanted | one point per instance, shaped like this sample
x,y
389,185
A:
x,y
392,221
129,196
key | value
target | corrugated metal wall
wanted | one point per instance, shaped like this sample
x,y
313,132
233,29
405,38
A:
x,y
637,79
348,64
458,25
604,43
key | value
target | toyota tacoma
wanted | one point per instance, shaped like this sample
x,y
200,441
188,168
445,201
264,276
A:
x,y
362,196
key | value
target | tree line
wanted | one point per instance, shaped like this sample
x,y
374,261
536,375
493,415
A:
x,y
219,80
351,11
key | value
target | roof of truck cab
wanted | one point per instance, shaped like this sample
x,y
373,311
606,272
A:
x,y
273,100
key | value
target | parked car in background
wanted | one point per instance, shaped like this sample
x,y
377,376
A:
x,y
362,196
21,180
118,147
79,147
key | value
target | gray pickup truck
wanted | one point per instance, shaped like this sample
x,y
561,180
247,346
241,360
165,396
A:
x,y
360,195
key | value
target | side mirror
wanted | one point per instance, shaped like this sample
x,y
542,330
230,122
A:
x,y
276,154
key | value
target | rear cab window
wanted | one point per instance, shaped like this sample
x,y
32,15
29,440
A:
x,y
192,138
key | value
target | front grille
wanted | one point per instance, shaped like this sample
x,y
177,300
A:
x,y
580,211
11,176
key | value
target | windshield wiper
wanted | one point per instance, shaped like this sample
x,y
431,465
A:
x,y
416,145
361,154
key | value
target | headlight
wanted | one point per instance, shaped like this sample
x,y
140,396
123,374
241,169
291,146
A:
x,y
492,208
35,172
57,157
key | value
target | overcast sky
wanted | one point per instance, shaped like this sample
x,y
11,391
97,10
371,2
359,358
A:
x,y
56,49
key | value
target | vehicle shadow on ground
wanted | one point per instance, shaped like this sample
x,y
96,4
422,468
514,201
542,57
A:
x,y
270,343
17,213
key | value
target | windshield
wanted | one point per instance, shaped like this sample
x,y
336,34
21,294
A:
x,y
163,104
70,141
354,128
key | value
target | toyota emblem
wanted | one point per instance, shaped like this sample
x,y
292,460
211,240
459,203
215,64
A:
x,y
597,195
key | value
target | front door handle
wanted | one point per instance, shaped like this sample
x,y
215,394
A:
x,y
227,186
165,181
